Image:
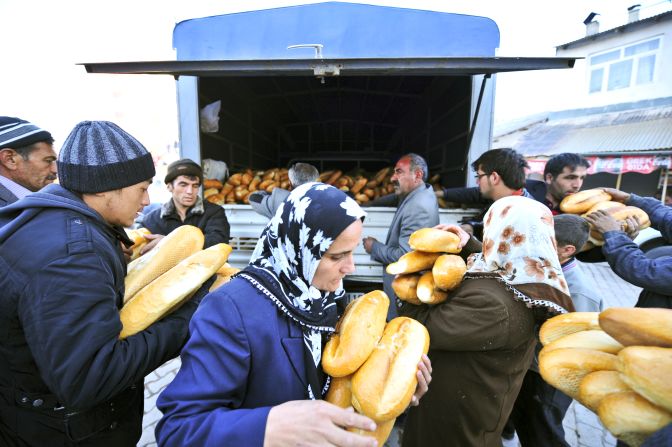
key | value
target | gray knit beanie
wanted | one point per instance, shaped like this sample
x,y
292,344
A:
x,y
100,156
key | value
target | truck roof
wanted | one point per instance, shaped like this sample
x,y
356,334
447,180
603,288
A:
x,y
346,30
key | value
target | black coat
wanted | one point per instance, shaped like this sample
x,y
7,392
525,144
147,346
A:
x,y
64,373
210,218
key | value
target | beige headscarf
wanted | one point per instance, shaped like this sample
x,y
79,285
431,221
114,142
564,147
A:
x,y
519,249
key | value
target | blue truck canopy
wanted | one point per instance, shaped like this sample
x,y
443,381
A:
x,y
347,30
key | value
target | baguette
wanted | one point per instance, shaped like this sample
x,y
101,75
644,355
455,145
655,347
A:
x,y
340,391
217,199
209,192
647,370
566,324
582,201
212,183
139,240
565,368
638,326
591,339
435,241
381,433
383,386
427,291
224,275
606,205
406,287
170,290
179,244
358,185
357,334
631,418
412,262
598,385
448,271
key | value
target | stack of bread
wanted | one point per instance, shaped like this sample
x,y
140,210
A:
x,y
164,278
363,186
431,270
373,365
616,363
591,200
224,275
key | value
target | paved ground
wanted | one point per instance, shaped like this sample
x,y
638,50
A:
x,y
582,427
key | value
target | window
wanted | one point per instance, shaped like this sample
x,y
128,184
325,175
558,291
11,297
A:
x,y
623,67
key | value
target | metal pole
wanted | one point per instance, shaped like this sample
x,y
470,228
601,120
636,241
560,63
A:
x,y
663,194
618,180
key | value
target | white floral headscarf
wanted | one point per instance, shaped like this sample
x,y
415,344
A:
x,y
520,249
286,257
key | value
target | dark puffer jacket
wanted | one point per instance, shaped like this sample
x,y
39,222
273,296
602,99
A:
x,y
64,373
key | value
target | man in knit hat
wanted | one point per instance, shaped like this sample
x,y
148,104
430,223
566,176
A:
x,y
186,207
27,159
65,376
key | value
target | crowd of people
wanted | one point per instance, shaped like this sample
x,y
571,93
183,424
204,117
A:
x,y
250,350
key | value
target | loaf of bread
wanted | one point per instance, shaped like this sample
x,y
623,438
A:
x,y
224,275
406,287
638,326
606,205
582,201
340,391
381,433
383,386
357,333
168,291
591,339
631,418
433,240
565,324
411,262
648,370
448,271
620,214
212,183
565,368
598,385
178,245
139,240
210,192
427,291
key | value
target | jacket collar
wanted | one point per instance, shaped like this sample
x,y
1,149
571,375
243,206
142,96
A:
x,y
168,208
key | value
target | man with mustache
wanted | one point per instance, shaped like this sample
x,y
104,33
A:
x,y
416,208
27,159
564,175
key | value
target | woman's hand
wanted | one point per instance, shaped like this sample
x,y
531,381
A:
x,y
316,423
424,376
463,235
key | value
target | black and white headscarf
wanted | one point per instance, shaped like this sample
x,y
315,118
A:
x,y
285,260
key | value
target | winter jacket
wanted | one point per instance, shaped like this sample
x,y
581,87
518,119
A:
x,y
481,344
631,264
210,218
418,209
64,373
244,357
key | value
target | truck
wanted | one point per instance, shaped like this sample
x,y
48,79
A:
x,y
339,85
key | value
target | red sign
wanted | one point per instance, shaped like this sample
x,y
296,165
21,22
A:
x,y
643,164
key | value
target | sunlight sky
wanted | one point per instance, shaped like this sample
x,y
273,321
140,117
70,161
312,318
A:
x,y
44,40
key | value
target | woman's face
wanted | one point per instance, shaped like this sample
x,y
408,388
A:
x,y
338,260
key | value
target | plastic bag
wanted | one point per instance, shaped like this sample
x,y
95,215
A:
x,y
215,169
210,117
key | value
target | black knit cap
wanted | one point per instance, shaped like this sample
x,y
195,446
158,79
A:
x,y
100,156
184,166
16,133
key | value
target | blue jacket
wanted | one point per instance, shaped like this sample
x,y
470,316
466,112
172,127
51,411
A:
x,y
61,287
631,264
243,357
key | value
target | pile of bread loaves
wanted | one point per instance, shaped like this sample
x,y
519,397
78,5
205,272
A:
x,y
591,200
373,365
431,270
364,187
161,280
618,363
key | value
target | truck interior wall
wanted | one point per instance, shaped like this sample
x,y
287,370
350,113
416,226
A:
x,y
347,123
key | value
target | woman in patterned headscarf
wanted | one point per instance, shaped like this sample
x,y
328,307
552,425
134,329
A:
x,y
483,336
251,371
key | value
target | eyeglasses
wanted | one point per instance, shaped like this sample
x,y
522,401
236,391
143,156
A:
x,y
477,177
